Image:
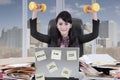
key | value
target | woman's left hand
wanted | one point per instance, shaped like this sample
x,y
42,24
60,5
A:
x,y
94,14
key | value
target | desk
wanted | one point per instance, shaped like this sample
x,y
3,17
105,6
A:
x,y
82,76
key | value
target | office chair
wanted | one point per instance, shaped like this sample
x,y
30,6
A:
x,y
76,24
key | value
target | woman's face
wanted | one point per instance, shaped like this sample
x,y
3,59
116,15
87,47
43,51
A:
x,y
63,27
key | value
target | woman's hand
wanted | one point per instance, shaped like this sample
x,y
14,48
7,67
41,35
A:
x,y
35,12
94,14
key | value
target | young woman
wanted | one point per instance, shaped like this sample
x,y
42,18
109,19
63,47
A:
x,y
64,35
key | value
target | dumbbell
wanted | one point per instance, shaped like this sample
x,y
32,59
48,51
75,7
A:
x,y
95,7
33,6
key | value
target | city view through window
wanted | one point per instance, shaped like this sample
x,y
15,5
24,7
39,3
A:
x,y
108,41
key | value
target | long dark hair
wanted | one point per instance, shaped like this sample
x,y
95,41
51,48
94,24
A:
x,y
66,16
55,34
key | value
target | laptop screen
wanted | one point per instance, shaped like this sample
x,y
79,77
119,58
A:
x,y
57,62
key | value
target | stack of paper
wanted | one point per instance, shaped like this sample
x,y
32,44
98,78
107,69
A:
x,y
98,59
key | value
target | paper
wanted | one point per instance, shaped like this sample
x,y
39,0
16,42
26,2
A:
x,y
52,67
98,59
86,59
39,76
66,72
56,54
71,55
40,55
19,65
88,69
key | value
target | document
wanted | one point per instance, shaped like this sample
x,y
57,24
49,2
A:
x,y
98,59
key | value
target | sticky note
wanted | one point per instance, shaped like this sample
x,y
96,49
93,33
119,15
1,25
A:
x,y
72,55
56,54
39,76
66,72
52,67
40,55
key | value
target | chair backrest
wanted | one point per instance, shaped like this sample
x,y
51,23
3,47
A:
x,y
76,24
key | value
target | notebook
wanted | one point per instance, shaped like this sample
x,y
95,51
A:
x,y
57,62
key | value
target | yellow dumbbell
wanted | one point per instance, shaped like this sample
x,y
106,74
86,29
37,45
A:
x,y
34,6
94,7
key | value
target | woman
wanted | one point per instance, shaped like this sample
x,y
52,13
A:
x,y
64,34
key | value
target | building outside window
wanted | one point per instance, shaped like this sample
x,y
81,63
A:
x,y
10,28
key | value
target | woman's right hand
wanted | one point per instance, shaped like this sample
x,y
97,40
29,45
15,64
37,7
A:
x,y
35,12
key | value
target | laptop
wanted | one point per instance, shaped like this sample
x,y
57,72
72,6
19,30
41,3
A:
x,y
54,62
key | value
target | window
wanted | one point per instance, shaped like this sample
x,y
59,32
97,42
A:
x,y
108,41
10,28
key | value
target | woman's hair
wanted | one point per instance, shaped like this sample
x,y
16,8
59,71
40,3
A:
x,y
66,16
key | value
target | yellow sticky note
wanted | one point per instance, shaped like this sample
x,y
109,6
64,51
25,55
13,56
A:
x,y
66,72
40,55
52,67
39,76
72,55
56,54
